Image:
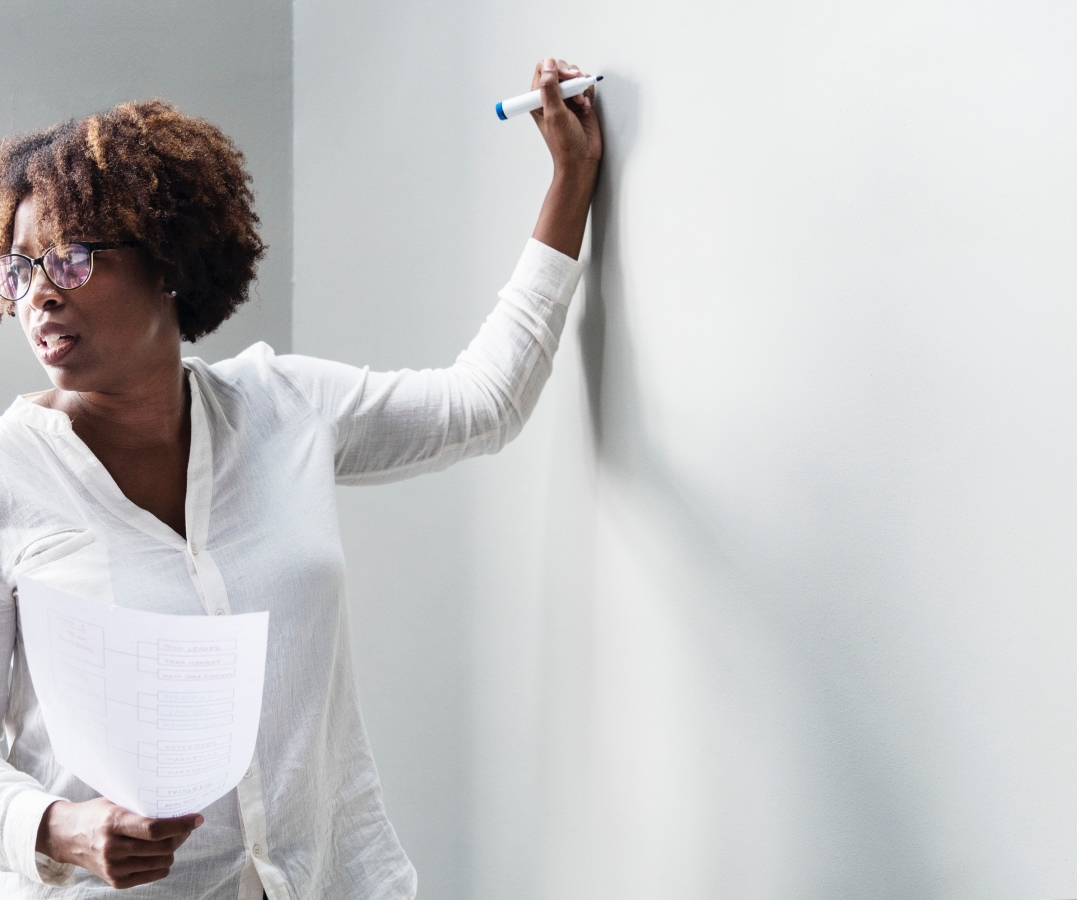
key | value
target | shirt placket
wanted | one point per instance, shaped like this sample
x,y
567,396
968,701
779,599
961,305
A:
x,y
211,589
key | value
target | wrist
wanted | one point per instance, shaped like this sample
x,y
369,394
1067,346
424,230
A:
x,y
48,832
577,173
564,212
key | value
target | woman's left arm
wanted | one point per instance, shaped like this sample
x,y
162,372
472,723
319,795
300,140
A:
x,y
392,425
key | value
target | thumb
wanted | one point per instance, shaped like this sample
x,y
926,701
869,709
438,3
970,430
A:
x,y
549,85
136,826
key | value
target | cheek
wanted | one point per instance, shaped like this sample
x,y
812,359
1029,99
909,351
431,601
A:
x,y
120,330
24,319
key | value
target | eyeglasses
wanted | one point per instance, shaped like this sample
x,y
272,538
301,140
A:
x,y
68,266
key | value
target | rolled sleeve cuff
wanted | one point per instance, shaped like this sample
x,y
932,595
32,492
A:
x,y
21,824
54,873
548,272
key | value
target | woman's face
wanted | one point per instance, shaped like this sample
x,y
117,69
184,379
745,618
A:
x,y
112,332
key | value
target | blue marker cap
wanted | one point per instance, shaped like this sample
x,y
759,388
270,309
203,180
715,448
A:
x,y
500,113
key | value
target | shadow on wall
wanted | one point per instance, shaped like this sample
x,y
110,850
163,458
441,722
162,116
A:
x,y
617,106
855,809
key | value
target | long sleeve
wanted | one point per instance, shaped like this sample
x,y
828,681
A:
x,y
23,800
392,425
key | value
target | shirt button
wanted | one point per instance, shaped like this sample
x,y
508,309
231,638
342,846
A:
x,y
220,612
257,848
194,549
247,774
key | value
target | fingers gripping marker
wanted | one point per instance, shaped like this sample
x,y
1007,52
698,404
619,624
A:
x,y
506,109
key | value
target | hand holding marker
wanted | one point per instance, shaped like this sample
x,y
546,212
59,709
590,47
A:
x,y
506,109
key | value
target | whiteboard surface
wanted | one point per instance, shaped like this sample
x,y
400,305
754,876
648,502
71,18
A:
x,y
774,598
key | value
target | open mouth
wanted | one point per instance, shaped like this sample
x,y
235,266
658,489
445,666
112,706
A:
x,y
53,347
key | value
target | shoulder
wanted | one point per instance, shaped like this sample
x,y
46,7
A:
x,y
314,384
253,379
253,364
259,383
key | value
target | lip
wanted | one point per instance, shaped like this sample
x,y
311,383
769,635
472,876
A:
x,y
51,356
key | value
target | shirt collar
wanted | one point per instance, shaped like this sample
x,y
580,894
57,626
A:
x,y
41,418
26,411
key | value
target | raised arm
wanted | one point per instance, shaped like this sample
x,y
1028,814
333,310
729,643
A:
x,y
392,425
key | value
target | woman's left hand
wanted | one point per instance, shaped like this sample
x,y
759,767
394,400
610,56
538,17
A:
x,y
570,128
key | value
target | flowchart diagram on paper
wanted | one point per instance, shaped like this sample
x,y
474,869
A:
x,y
158,713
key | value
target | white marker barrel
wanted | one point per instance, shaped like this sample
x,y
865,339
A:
x,y
506,109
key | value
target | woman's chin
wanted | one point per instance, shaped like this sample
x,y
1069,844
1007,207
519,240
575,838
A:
x,y
65,379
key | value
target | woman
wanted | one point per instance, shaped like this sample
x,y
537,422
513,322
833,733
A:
x,y
171,485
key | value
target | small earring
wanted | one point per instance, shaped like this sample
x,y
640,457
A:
x,y
172,294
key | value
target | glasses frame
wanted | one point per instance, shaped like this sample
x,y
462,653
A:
x,y
92,246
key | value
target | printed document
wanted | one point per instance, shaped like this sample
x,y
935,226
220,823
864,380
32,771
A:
x,y
157,713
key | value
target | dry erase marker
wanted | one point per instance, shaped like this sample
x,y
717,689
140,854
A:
x,y
533,100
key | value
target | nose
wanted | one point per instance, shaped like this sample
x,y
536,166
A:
x,y
43,294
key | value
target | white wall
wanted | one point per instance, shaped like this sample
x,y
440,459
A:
x,y
383,241
230,63
774,597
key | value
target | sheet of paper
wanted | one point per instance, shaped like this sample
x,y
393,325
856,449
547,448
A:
x,y
157,713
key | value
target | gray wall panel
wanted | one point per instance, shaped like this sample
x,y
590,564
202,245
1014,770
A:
x,y
228,62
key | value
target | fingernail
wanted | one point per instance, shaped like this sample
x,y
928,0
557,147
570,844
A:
x,y
198,821
548,65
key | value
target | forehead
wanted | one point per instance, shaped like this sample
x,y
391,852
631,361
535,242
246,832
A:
x,y
26,225
30,234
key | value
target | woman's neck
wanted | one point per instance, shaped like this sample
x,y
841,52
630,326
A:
x,y
155,412
142,437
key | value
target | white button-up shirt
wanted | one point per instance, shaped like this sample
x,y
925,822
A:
x,y
270,438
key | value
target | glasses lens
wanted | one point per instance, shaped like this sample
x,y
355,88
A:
x,y
68,265
14,276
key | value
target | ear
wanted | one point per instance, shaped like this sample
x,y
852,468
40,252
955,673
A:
x,y
166,291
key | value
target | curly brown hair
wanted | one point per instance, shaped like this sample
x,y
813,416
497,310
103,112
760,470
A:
x,y
148,173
